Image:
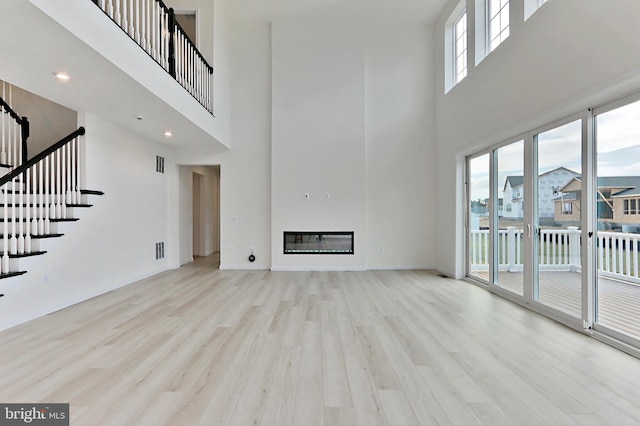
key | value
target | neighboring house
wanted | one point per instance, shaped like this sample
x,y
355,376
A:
x,y
513,201
618,200
549,185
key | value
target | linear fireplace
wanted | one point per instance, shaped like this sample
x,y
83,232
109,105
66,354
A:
x,y
318,242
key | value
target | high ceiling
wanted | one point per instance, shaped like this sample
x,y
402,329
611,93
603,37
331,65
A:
x,y
269,10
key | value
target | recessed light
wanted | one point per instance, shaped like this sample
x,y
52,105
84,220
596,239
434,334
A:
x,y
168,134
62,76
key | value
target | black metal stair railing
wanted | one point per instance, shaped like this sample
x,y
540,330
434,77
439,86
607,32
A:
x,y
153,26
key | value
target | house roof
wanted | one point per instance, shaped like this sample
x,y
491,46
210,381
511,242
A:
x,y
558,169
631,182
628,193
514,181
619,182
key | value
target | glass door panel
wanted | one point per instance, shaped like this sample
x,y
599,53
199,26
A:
x,y
478,244
618,216
558,201
510,192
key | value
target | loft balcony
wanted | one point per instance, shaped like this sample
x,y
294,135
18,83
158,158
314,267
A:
x,y
147,70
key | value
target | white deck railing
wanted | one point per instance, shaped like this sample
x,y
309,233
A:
x,y
618,254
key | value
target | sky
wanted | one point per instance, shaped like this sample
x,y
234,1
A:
x,y
618,150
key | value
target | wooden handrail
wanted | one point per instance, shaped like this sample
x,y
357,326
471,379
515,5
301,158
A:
x,y
10,110
28,164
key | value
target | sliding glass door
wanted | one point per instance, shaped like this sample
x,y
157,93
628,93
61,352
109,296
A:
x,y
554,219
558,206
509,187
618,219
478,248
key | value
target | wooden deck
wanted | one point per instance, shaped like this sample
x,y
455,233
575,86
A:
x,y
618,301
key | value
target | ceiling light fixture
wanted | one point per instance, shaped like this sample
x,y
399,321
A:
x,y
168,134
62,76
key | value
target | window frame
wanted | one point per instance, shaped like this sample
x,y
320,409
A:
x,y
456,54
450,48
489,37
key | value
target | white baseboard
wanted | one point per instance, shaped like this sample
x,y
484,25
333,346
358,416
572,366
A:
x,y
244,267
402,268
317,268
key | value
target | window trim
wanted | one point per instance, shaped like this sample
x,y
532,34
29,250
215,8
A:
x,y
489,38
454,50
450,77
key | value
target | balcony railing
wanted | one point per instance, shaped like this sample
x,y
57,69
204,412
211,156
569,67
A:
x,y
618,254
152,25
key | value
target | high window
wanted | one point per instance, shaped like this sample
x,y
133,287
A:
x,y
460,47
530,6
455,61
498,22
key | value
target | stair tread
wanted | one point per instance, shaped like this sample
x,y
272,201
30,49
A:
x,y
12,274
34,205
91,192
19,255
38,236
47,205
24,219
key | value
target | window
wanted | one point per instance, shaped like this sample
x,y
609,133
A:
x,y
508,207
460,47
498,22
631,206
455,47
530,6
567,208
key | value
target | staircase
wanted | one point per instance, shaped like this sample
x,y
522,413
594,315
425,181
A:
x,y
37,195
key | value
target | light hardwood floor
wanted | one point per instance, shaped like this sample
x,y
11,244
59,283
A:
x,y
198,346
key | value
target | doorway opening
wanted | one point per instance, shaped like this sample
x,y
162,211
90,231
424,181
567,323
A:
x,y
205,213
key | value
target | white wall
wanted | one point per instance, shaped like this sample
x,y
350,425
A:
x,y
379,120
114,242
401,185
352,117
48,121
318,143
568,56
245,170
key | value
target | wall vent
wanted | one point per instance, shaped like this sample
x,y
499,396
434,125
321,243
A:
x,y
160,250
159,164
